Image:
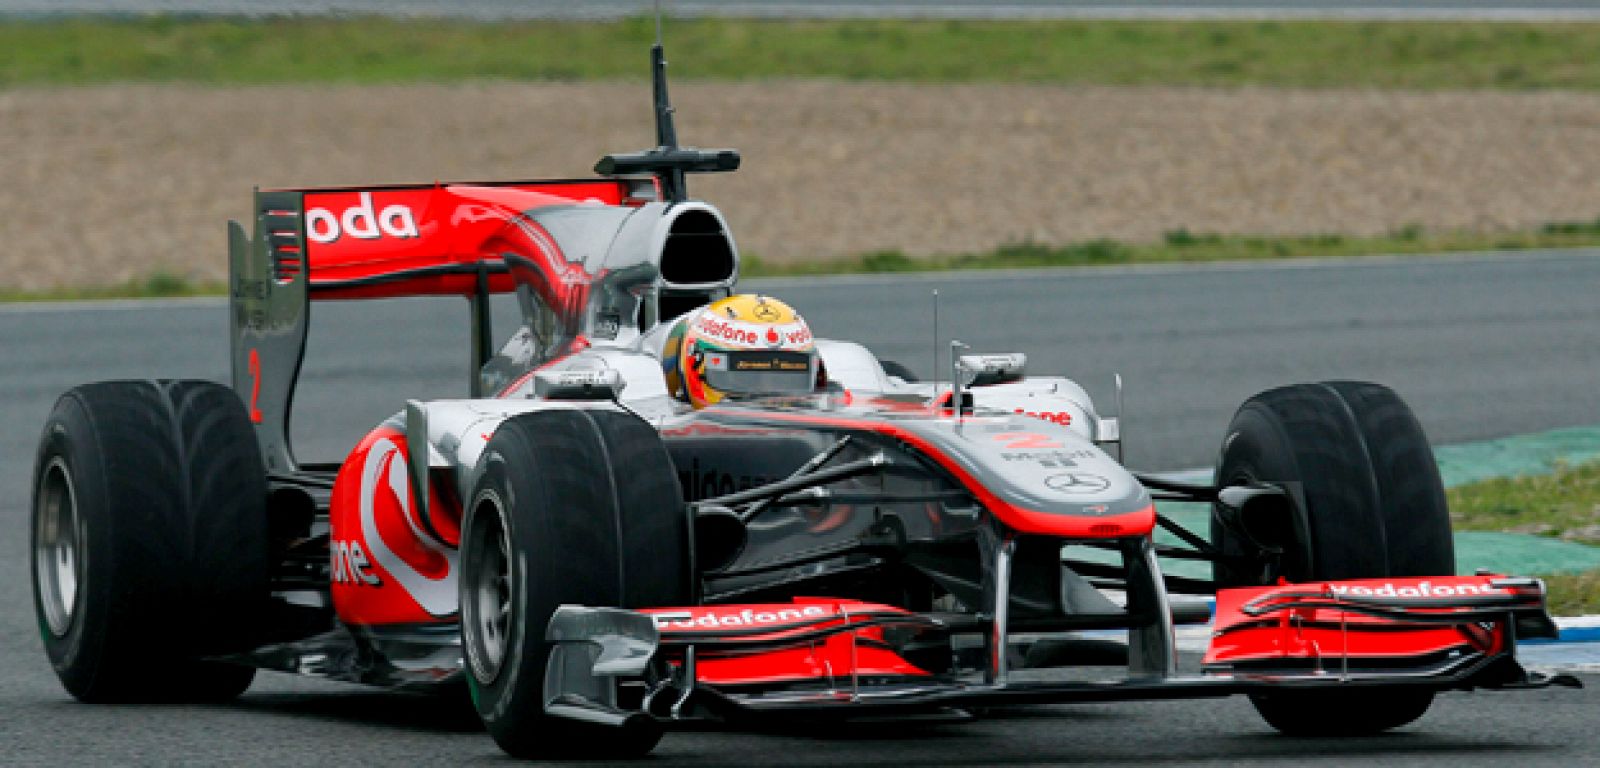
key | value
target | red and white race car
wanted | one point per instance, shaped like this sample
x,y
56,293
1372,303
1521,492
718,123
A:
x,y
596,559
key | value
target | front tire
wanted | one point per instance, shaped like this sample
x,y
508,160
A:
x,y
1374,507
1340,713
149,535
568,507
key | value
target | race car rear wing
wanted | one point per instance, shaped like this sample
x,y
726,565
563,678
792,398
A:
x,y
466,240
575,243
403,240
605,257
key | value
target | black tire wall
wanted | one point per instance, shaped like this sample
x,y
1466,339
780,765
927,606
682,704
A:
x,y
168,480
1374,507
1374,504
595,517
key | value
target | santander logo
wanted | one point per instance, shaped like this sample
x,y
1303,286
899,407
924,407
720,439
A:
x,y
363,222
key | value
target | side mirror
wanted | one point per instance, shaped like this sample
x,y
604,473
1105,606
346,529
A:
x,y
1263,513
578,385
719,537
984,370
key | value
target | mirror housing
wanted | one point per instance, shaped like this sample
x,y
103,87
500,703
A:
x,y
719,537
578,385
984,370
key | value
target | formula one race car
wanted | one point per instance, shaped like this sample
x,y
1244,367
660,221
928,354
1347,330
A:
x,y
666,502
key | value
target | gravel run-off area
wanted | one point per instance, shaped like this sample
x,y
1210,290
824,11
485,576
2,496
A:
x,y
106,184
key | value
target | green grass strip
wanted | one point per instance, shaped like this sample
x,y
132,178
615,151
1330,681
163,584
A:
x,y
1180,246
160,284
1184,246
1302,54
1573,594
1563,505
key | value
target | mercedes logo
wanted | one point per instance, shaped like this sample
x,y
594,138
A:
x,y
1077,482
765,312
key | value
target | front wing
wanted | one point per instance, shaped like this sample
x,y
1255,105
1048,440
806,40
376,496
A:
x,y
842,658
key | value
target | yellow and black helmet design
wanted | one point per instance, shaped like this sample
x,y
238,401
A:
x,y
742,345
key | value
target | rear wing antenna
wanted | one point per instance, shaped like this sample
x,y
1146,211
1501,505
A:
x,y
668,162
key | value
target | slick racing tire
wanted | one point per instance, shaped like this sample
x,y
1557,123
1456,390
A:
x,y
1374,504
149,540
1374,507
568,507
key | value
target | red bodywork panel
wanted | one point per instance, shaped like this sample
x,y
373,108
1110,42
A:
x,y
384,242
391,566
1256,624
861,652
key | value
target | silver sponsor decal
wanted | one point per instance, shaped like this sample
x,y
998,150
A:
x,y
1049,459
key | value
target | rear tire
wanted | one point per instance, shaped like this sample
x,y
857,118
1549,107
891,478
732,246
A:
x,y
149,536
568,507
1374,507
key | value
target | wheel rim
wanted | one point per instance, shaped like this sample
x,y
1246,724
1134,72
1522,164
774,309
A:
x,y
487,603
58,551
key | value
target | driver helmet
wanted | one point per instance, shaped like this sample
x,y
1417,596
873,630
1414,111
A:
x,y
742,345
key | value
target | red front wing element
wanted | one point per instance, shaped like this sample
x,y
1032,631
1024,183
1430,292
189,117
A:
x,y
805,640
1368,623
1358,625
817,656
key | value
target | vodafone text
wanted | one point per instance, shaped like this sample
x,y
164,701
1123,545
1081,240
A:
x,y
361,222
748,617
1421,589
351,566
752,334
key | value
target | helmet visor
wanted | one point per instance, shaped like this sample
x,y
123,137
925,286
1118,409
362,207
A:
x,y
762,372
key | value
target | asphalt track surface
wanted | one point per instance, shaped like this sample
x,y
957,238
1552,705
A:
x,y
999,9
1481,346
